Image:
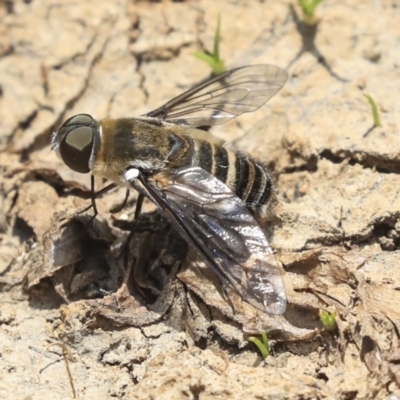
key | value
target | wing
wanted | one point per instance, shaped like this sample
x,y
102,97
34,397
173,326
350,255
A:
x,y
224,97
219,226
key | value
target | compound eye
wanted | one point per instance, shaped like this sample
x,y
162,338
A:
x,y
80,119
76,148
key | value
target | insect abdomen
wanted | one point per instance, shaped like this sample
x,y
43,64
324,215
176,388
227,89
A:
x,y
248,179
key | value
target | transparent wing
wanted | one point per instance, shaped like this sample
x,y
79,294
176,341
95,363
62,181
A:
x,y
224,97
219,226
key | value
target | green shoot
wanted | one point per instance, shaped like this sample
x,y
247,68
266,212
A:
x,y
328,320
263,345
308,7
374,108
213,59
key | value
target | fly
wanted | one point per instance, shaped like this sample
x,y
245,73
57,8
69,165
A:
x,y
210,193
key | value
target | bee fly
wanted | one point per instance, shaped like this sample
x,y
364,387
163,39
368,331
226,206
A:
x,y
209,192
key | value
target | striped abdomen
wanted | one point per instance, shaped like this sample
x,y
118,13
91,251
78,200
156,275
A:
x,y
249,180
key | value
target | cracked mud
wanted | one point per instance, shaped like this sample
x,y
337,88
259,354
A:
x,y
169,332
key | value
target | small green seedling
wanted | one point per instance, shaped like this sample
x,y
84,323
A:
x,y
263,345
374,108
328,320
213,59
308,7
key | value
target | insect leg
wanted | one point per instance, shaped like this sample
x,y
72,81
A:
x,y
93,198
227,296
125,247
121,206
138,209
94,195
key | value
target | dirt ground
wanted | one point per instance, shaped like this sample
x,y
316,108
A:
x,y
335,226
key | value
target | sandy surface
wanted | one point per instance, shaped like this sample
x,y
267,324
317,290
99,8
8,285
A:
x,y
335,226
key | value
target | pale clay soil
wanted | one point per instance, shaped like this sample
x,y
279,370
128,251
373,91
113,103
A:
x,y
335,224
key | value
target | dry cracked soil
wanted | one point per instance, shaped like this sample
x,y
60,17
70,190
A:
x,y
71,326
